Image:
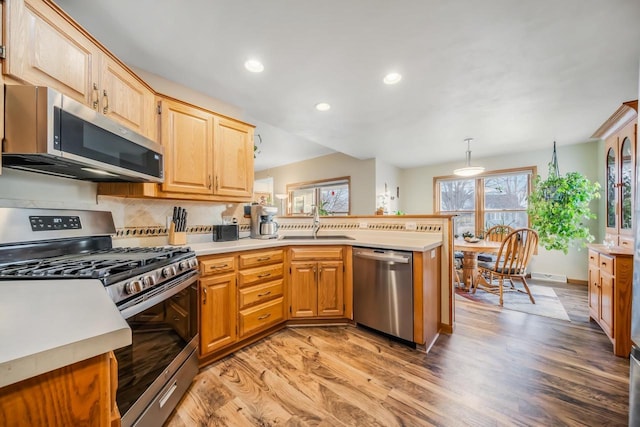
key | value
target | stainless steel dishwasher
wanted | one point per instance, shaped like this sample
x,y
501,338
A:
x,y
383,291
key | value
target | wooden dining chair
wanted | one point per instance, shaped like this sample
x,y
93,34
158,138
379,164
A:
x,y
497,233
511,263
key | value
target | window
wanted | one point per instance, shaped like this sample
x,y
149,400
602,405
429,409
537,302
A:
x,y
494,198
332,194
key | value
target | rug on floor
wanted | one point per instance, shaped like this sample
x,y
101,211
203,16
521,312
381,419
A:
x,y
547,302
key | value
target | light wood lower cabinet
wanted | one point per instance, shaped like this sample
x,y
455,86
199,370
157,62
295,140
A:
x,y
260,291
317,287
610,294
218,312
80,394
241,295
260,317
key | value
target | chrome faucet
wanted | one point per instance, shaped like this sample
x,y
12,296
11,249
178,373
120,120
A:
x,y
316,220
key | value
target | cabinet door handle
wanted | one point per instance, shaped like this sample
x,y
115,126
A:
x,y
204,291
105,108
96,97
215,267
264,316
264,294
260,276
209,182
266,258
216,182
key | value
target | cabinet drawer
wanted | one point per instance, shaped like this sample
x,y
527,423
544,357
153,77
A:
x,y
217,265
261,316
260,258
260,293
626,241
606,264
593,258
316,253
259,274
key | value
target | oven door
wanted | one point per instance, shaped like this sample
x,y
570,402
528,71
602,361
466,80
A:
x,y
157,368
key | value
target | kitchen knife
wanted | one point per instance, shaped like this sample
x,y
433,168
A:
x,y
179,220
175,218
184,220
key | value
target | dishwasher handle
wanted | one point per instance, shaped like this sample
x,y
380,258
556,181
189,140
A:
x,y
382,256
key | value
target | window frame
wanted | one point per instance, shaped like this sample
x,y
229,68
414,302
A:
x,y
479,202
317,185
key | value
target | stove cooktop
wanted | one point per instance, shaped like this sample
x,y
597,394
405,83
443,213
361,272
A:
x,y
108,265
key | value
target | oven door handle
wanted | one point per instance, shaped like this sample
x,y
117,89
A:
x,y
156,299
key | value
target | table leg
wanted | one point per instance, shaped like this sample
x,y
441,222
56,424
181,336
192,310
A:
x,y
469,268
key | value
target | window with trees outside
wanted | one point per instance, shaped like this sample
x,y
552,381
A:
x,y
493,198
331,196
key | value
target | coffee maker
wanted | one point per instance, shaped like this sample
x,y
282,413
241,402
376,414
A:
x,y
262,224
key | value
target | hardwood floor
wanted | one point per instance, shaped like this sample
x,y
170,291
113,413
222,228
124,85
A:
x,y
500,367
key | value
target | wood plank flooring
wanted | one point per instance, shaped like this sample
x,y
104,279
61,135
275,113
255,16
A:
x,y
499,368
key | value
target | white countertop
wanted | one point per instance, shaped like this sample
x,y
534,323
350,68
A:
x,y
418,242
48,324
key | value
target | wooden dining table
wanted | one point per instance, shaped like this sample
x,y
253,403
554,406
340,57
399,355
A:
x,y
470,251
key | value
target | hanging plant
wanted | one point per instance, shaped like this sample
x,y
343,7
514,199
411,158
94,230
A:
x,y
559,207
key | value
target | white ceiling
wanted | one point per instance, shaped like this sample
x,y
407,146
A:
x,y
514,75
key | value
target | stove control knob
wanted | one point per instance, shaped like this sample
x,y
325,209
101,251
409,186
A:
x,y
193,263
184,265
134,287
169,271
148,281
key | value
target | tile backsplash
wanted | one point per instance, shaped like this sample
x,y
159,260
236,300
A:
x,y
29,190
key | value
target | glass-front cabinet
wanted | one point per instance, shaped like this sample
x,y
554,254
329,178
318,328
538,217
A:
x,y
619,189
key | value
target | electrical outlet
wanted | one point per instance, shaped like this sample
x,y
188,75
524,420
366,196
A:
x,y
169,221
411,226
364,225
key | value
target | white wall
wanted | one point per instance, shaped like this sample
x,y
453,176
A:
x,y
362,173
417,194
387,176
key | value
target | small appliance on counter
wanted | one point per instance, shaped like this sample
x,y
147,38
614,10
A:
x,y
226,232
262,224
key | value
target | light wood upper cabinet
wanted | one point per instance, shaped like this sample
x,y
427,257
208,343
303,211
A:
x,y
46,49
233,158
123,98
187,137
620,135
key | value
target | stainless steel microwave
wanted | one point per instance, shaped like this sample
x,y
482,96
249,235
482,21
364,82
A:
x,y
49,132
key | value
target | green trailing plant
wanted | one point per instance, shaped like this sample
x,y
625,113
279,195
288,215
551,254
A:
x,y
559,208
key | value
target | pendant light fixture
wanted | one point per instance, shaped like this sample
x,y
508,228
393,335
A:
x,y
468,170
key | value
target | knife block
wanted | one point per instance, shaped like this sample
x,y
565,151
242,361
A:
x,y
177,237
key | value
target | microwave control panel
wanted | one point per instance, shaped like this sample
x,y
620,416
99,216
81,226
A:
x,y
45,223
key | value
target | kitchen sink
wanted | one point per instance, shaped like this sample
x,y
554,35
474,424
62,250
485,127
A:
x,y
329,237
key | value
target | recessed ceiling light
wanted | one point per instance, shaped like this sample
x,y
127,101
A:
x,y
392,78
254,66
323,106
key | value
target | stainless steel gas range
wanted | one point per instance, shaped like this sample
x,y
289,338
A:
x,y
154,288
